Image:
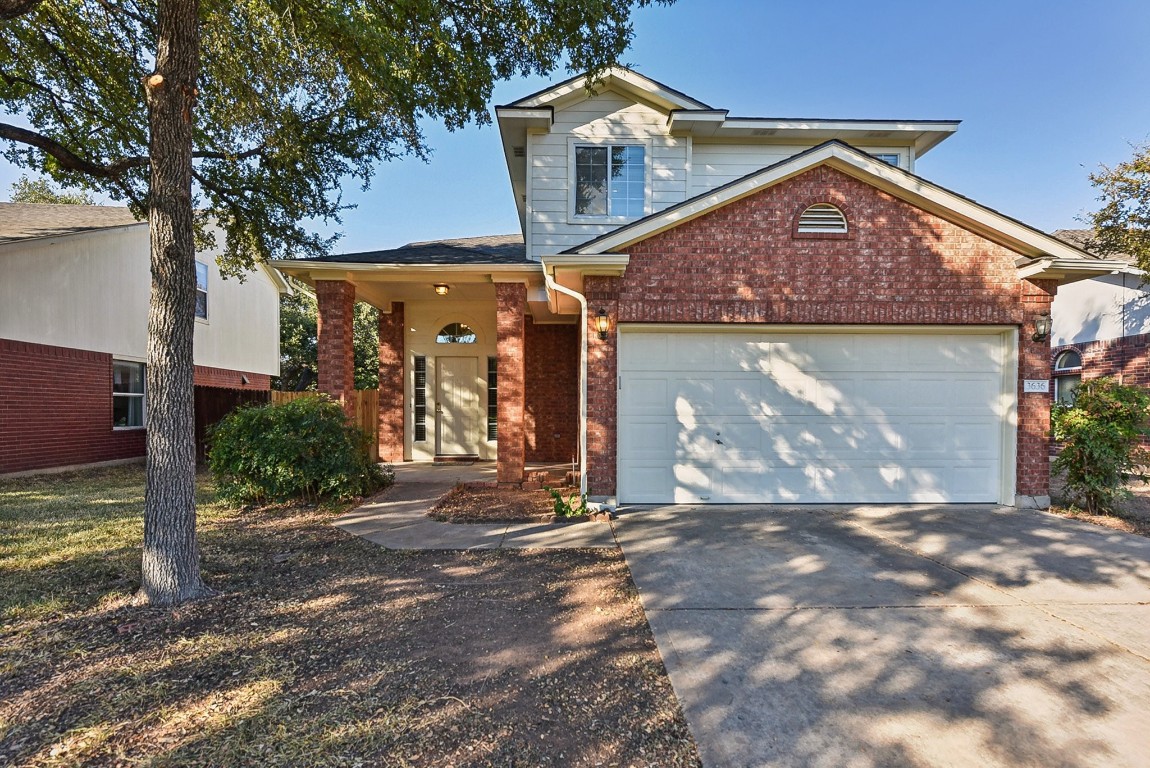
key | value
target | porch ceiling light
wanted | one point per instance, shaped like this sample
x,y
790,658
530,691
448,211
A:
x,y
441,289
602,324
1041,328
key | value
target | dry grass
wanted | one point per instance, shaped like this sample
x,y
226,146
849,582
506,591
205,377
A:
x,y
322,649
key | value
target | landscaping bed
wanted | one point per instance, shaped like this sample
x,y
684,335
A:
x,y
486,503
321,650
1133,514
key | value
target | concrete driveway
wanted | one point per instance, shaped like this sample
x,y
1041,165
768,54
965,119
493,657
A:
x,y
898,636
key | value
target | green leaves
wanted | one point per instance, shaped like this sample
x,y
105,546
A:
x,y
1122,224
1101,436
296,97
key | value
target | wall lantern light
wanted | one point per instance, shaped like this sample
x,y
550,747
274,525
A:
x,y
441,289
602,324
1041,328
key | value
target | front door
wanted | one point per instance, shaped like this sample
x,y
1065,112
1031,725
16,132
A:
x,y
457,406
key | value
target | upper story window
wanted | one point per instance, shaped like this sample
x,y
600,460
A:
x,y
822,218
127,394
610,180
455,333
202,290
889,159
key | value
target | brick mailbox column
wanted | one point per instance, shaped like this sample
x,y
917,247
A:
x,y
336,299
511,301
391,351
1032,485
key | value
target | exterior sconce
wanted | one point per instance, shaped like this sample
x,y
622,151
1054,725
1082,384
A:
x,y
1041,328
441,289
602,324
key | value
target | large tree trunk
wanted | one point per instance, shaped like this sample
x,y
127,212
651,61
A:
x,y
171,562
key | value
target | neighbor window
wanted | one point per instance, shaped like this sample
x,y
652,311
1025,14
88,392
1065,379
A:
x,y
202,290
610,181
127,394
455,333
1067,376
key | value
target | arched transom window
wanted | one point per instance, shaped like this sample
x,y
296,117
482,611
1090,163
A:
x,y
823,218
455,333
1067,376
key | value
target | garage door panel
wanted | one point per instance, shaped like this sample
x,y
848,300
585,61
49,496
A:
x,y
811,417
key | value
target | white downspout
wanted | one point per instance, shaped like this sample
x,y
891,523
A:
x,y
550,282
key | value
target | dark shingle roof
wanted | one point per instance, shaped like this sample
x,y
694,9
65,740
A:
x,y
1080,238
492,249
23,221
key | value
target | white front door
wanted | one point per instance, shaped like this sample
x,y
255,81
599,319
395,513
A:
x,y
730,416
456,406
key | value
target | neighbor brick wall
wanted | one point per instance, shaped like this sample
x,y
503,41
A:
x,y
391,352
1127,358
336,300
551,392
56,409
899,265
224,378
511,306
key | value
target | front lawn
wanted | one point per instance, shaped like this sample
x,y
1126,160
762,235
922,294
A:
x,y
322,649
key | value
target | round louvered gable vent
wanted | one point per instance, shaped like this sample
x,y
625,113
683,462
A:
x,y
823,217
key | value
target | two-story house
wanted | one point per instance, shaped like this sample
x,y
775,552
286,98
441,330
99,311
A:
x,y
702,308
75,283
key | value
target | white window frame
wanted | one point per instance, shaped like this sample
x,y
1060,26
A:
x,y
142,394
608,142
876,151
207,276
1066,372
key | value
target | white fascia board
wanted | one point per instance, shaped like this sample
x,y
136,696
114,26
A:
x,y
620,77
901,184
840,126
541,117
278,279
609,264
297,268
1071,270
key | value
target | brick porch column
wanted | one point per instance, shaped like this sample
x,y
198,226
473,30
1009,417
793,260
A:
x,y
511,305
336,300
391,351
602,395
1032,485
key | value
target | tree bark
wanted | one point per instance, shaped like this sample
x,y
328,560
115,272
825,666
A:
x,y
171,560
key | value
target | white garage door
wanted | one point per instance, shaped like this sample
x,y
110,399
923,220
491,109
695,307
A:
x,y
732,417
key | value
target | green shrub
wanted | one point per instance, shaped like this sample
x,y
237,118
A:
x,y
304,448
1101,434
571,505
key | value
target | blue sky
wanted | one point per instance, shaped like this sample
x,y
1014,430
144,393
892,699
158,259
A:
x,y
1046,91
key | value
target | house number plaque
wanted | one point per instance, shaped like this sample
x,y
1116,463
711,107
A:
x,y
1035,385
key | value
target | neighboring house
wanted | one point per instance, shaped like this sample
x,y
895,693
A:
x,y
702,308
1100,327
74,290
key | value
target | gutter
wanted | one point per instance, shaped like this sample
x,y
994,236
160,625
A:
x,y
551,284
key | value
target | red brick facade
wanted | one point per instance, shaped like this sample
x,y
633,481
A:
x,y
511,307
336,300
391,352
56,409
224,378
551,398
744,263
1127,358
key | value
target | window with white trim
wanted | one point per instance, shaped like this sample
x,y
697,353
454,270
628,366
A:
x,y
610,180
1067,376
823,218
888,158
419,409
201,290
127,394
455,333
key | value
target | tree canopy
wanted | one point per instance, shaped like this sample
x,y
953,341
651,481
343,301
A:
x,y
26,190
1122,223
294,99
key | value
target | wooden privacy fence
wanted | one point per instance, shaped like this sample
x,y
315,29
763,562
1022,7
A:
x,y
214,403
364,411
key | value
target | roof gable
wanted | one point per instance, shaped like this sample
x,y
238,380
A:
x,y
619,79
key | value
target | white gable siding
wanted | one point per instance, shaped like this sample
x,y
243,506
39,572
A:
x,y
714,164
606,115
1107,307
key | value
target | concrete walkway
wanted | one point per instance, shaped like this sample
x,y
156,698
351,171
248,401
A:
x,y
398,518
898,636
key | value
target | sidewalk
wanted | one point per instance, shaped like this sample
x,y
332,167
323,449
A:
x,y
398,519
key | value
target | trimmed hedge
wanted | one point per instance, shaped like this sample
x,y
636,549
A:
x,y
302,449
